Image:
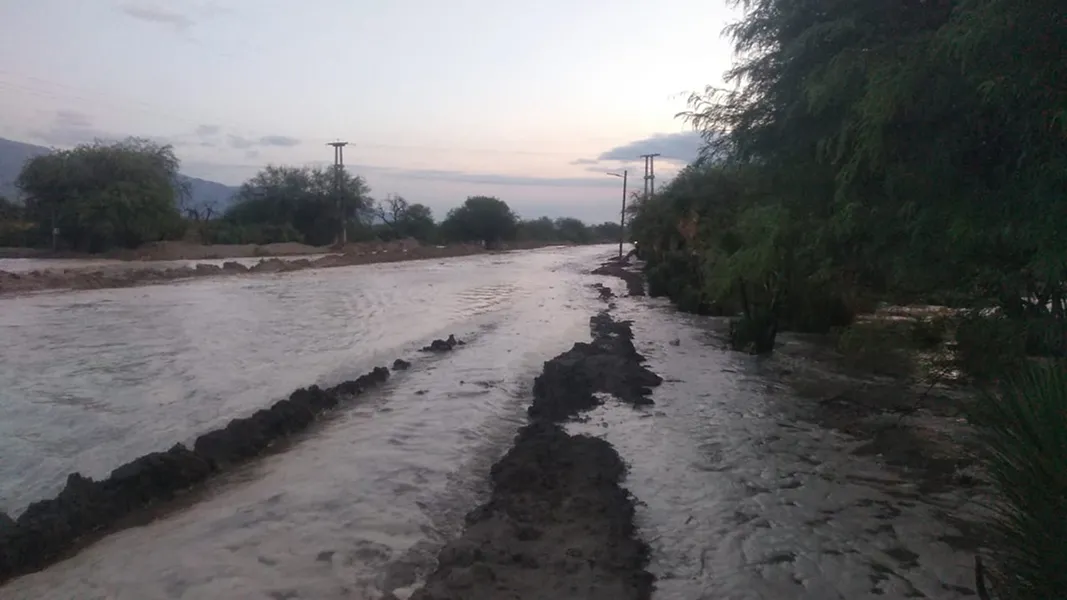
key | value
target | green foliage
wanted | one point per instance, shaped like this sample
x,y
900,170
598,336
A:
x,y
403,220
880,347
480,219
221,231
304,198
567,230
103,196
10,210
872,147
1024,435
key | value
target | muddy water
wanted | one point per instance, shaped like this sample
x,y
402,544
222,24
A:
x,y
744,500
25,265
90,379
741,498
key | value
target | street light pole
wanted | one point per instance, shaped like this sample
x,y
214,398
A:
x,y
622,213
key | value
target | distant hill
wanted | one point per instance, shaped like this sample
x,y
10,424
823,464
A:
x,y
15,154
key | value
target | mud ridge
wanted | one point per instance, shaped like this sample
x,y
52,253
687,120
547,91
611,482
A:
x,y
558,523
616,267
120,277
55,528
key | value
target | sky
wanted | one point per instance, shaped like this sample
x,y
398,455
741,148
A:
x,y
438,99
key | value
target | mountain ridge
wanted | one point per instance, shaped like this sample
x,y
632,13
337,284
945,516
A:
x,y
14,154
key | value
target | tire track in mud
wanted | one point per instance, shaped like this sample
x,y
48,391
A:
x,y
558,522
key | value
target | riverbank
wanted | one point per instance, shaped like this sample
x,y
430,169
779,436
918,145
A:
x,y
145,273
558,523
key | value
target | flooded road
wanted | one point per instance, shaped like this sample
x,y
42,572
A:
x,y
91,379
743,500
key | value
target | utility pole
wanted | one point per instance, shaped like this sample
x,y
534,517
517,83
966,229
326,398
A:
x,y
622,214
339,179
650,174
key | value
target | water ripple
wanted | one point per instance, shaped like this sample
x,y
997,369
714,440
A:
x,y
362,504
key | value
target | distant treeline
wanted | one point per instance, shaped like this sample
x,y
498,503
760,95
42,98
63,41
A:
x,y
105,196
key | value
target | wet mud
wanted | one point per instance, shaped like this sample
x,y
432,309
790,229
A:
x,y
52,529
616,267
127,276
913,427
558,523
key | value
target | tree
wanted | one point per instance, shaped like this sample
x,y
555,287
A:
x,y
481,218
407,220
540,230
608,231
105,195
572,230
10,210
302,198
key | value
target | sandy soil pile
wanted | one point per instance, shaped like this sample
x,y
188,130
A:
x,y
127,275
558,523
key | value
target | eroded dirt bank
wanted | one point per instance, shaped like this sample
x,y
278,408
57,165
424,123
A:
x,y
132,274
52,529
558,523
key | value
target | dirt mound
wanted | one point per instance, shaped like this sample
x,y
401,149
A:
x,y
635,282
189,251
558,523
49,530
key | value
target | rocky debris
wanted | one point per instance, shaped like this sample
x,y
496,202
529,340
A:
x,y
50,529
605,292
443,345
401,365
558,523
635,282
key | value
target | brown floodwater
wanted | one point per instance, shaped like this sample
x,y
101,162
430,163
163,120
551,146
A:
x,y
740,498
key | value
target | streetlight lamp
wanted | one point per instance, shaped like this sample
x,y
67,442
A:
x,y
622,213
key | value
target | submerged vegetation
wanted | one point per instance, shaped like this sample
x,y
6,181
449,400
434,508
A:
x,y
900,152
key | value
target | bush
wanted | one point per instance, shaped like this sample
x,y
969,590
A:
x,y
815,309
227,232
754,334
988,348
1023,430
878,347
930,332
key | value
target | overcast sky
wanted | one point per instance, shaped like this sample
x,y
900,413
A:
x,y
440,99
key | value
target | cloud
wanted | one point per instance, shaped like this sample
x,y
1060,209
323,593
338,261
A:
x,y
70,128
72,119
208,130
241,143
278,140
485,178
681,147
237,172
157,15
